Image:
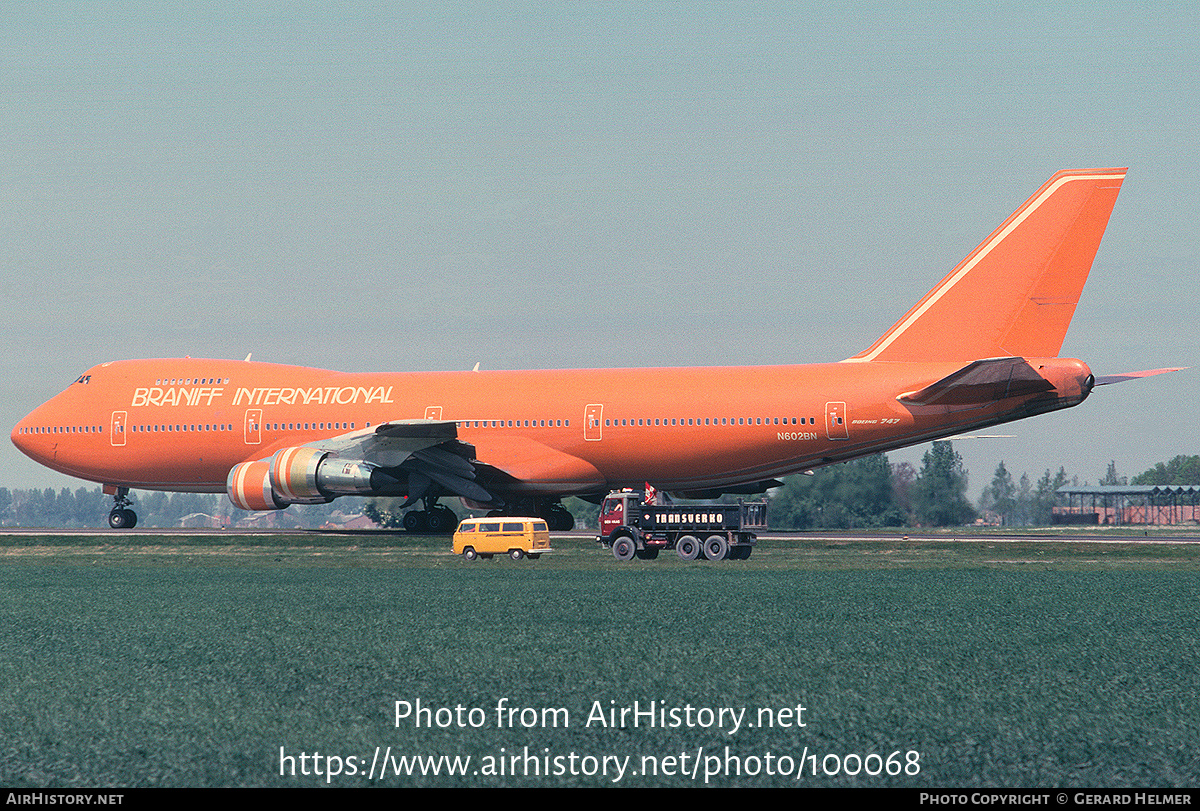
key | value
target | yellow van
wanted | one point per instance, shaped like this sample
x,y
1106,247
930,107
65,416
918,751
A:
x,y
502,535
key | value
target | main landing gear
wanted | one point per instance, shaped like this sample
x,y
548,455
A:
x,y
122,517
558,518
434,519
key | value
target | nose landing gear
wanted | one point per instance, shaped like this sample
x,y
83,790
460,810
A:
x,y
122,517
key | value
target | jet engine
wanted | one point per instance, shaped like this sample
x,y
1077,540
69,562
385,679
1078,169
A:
x,y
301,476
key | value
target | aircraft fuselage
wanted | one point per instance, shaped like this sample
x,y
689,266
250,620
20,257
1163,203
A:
x,y
182,424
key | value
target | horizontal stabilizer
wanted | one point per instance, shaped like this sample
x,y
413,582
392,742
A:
x,y
1121,378
980,382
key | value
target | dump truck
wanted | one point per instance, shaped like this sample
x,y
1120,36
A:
x,y
633,528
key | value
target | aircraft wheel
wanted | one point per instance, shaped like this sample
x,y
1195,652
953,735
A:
x,y
122,519
559,519
624,548
716,547
688,547
469,553
439,520
516,554
416,521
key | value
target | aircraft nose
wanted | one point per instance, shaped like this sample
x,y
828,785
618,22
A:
x,y
28,437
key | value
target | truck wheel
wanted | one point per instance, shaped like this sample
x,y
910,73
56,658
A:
x,y
516,554
469,553
688,547
624,548
716,547
647,554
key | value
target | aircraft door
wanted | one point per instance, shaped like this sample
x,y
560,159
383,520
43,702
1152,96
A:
x,y
433,412
591,422
252,428
117,433
836,421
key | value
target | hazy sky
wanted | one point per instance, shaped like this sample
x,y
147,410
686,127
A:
x,y
396,187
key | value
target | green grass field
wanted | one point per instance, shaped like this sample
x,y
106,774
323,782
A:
x,y
178,662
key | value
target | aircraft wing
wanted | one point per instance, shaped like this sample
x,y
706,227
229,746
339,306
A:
x,y
389,444
427,451
430,451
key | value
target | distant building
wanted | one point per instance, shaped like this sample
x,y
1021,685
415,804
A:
x,y
1127,504
348,522
197,520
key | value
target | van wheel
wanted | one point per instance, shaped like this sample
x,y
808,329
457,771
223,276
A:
x,y
516,554
534,555
688,547
624,548
469,553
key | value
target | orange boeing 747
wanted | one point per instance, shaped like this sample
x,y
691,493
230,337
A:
x,y
980,348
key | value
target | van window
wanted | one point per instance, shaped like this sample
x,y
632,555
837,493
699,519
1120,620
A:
x,y
467,528
539,526
493,527
514,527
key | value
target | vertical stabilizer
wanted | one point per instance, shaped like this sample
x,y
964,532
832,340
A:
x,y
1014,295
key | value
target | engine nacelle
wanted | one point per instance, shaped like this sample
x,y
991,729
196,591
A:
x,y
347,477
300,476
249,486
294,475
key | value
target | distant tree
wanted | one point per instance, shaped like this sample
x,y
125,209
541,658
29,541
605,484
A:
x,y
1180,470
858,493
385,512
1023,513
940,494
1001,495
904,479
1111,478
586,514
66,509
153,509
1041,513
